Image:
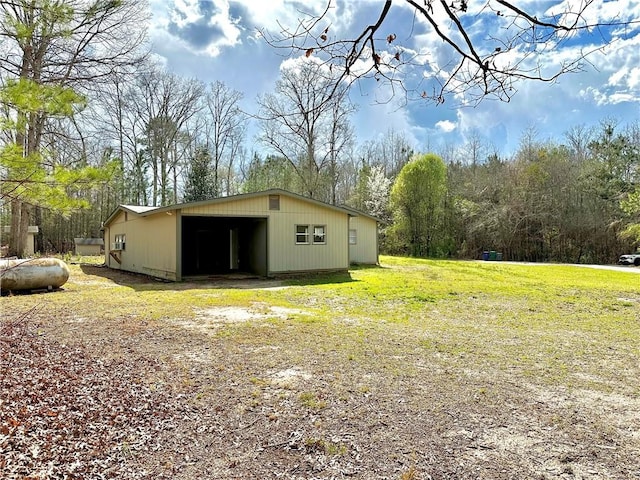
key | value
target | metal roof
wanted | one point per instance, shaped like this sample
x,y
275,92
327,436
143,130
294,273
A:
x,y
144,211
139,209
88,241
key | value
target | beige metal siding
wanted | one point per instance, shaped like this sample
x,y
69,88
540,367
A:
x,y
116,227
88,249
366,248
152,240
150,244
284,254
257,206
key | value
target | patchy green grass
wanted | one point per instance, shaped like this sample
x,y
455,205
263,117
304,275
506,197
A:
x,y
560,325
455,357
545,321
557,324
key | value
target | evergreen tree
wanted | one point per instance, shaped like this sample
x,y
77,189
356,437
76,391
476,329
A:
x,y
200,183
273,172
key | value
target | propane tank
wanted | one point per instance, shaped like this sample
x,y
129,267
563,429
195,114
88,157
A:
x,y
32,274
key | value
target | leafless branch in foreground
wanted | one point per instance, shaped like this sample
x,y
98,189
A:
x,y
482,53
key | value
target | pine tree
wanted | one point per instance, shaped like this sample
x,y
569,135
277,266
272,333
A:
x,y
200,182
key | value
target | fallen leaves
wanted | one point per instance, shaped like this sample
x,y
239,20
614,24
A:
x,y
66,414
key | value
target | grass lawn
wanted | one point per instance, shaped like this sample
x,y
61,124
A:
x,y
417,369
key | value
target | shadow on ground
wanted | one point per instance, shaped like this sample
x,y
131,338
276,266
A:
x,y
142,282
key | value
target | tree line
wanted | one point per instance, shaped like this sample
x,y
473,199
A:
x,y
571,201
90,122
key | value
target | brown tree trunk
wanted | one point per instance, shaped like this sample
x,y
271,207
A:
x,y
19,228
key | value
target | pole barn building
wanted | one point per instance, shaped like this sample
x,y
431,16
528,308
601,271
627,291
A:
x,y
265,233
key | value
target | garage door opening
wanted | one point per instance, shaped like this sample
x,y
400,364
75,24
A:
x,y
223,245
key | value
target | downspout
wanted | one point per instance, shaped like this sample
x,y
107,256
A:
x,y
178,245
377,242
348,242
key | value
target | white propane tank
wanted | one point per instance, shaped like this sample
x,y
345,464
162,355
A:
x,y
32,274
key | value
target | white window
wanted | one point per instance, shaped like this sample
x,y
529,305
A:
x,y
120,242
353,237
319,234
302,234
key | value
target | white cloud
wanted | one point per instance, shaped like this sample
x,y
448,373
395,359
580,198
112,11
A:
x,y
633,80
199,27
611,86
211,26
622,97
279,16
618,76
446,126
549,57
285,12
598,12
591,93
185,12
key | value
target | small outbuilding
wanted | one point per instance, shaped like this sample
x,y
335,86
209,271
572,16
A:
x,y
88,246
264,233
32,231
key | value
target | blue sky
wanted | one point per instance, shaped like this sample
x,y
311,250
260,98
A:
x,y
218,40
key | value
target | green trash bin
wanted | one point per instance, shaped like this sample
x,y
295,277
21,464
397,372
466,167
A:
x,y
492,255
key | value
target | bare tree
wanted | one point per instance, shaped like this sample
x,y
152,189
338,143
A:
x,y
392,150
579,137
224,126
170,102
113,117
305,121
382,157
477,49
475,150
340,139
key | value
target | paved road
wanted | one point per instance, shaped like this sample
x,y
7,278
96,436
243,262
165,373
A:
x,y
619,268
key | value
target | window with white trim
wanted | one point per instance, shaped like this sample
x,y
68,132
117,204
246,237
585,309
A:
x,y
120,242
353,236
319,235
302,234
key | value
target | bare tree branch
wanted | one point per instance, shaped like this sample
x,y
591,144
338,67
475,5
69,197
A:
x,y
473,64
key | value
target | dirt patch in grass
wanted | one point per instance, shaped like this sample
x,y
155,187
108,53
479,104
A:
x,y
209,320
419,370
242,314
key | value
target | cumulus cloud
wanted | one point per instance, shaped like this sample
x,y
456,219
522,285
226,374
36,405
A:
x,y
633,78
597,12
617,77
208,26
446,126
183,31
276,16
201,26
622,97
